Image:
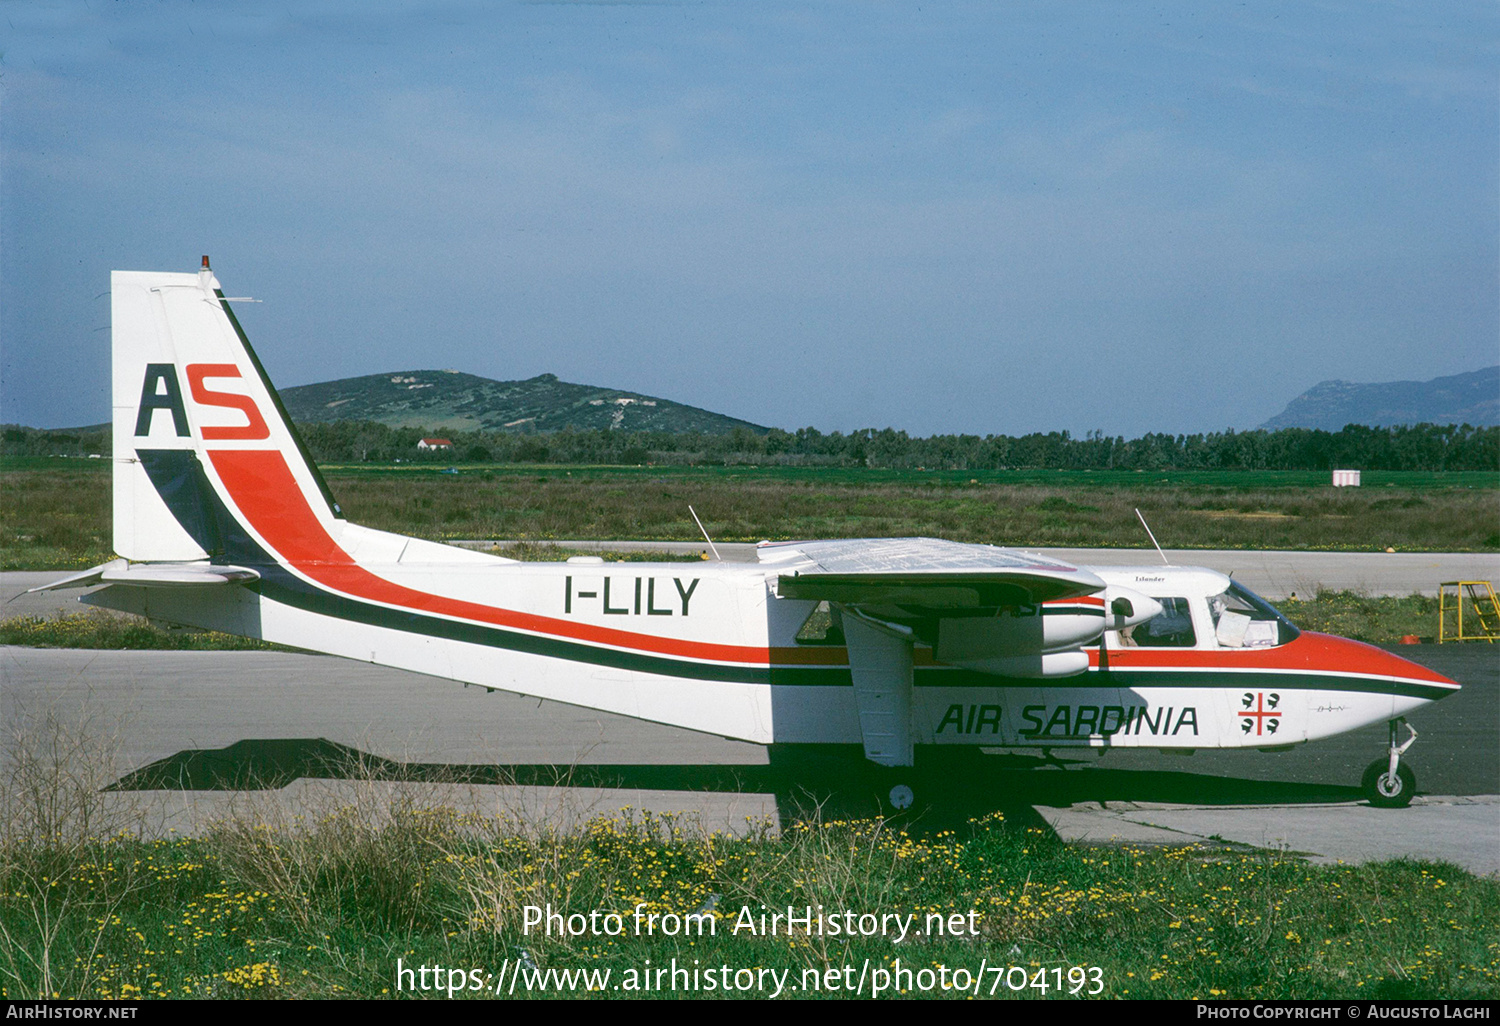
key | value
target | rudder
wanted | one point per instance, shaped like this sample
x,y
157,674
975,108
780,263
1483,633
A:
x,y
187,385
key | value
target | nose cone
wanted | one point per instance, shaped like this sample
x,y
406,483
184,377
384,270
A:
x,y
1404,678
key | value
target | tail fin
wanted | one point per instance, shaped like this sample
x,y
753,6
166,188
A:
x,y
198,430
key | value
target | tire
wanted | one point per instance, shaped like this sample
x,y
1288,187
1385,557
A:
x,y
900,798
1384,794
893,790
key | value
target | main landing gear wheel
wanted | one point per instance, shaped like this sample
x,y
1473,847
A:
x,y
894,789
901,797
1389,783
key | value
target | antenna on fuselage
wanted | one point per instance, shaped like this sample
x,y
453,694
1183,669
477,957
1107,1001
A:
x,y
1147,526
705,535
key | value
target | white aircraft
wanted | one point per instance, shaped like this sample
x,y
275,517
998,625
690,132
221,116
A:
x,y
222,521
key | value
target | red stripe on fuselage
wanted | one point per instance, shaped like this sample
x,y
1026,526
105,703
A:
x,y
262,486
1321,653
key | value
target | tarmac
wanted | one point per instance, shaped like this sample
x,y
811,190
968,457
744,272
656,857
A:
x,y
179,724
1463,830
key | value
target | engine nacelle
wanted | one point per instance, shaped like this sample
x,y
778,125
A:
x,y
1044,642
1038,665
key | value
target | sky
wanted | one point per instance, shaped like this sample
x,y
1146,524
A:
x,y
938,217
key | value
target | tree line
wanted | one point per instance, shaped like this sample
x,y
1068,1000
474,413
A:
x,y
1426,447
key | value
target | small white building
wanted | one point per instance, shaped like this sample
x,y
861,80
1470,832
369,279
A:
x,y
1346,479
443,443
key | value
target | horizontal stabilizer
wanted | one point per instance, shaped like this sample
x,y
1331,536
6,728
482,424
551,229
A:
x,y
153,575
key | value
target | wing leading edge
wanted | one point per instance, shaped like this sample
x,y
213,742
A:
x,y
922,571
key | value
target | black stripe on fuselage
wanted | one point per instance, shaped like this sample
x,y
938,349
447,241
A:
x,y
1208,677
182,484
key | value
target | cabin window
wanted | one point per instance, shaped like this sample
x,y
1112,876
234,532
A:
x,y
1242,619
823,626
1171,628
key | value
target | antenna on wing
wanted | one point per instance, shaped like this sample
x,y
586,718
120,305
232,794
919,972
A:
x,y
1147,526
705,535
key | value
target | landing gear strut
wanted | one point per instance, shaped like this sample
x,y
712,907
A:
x,y
1389,783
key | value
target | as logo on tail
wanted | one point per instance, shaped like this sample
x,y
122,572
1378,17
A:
x,y
154,397
255,426
160,391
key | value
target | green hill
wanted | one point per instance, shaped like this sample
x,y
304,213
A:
x,y
465,402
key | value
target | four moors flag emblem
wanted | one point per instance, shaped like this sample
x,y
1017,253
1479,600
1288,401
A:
x,y
1257,712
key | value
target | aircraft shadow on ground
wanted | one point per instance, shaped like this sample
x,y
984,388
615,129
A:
x,y
831,782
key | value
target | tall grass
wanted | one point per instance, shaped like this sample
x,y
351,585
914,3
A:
x,y
100,629
1379,620
63,883
54,518
325,907
767,506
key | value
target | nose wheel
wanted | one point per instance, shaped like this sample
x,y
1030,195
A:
x,y
1388,782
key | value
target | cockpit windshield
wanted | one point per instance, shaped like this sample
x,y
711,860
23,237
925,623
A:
x,y
1242,619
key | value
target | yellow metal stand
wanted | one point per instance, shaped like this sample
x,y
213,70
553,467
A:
x,y
1481,595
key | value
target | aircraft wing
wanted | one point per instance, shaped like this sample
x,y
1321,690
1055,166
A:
x,y
922,571
891,592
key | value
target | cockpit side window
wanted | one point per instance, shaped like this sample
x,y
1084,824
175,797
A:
x,y
1171,628
1242,619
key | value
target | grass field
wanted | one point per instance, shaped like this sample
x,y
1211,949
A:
x,y
326,905
108,630
55,513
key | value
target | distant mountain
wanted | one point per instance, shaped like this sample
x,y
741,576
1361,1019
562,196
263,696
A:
x,y
1472,398
449,399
